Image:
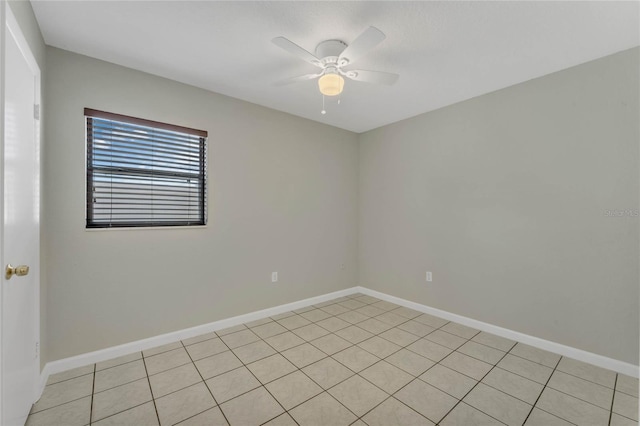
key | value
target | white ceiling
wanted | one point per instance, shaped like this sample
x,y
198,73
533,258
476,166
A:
x,y
445,52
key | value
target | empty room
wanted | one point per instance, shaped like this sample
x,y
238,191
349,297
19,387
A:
x,y
319,213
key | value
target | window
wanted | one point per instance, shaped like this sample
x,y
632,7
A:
x,y
143,173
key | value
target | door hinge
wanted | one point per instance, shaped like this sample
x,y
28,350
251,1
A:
x,y
36,112
37,349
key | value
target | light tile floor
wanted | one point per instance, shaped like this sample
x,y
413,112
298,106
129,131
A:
x,y
355,360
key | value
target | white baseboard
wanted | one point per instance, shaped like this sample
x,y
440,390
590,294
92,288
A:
x,y
140,345
547,345
151,342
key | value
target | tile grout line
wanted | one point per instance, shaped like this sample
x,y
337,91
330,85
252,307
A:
x,y
520,375
150,388
56,406
126,409
122,363
93,387
502,391
71,378
543,365
499,368
258,380
121,385
625,393
556,416
205,384
578,377
613,398
391,395
122,411
475,385
580,399
542,391
133,381
563,372
31,412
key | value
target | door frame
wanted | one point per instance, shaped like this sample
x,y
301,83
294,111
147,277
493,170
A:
x,y
8,22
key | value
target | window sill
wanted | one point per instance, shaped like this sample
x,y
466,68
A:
x,y
148,228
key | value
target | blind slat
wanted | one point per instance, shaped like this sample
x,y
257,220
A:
x,y
114,136
114,161
134,151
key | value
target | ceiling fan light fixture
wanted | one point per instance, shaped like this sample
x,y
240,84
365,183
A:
x,y
331,84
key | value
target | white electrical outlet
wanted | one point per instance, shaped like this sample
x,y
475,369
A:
x,y
274,277
429,276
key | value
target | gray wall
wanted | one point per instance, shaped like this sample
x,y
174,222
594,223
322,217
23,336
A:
x,y
27,21
282,197
503,198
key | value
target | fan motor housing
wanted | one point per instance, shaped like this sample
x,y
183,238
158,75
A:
x,y
330,48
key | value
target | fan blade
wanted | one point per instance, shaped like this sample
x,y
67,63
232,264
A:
x,y
296,79
296,50
366,41
377,77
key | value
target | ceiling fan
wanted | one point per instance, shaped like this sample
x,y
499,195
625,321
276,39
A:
x,y
331,56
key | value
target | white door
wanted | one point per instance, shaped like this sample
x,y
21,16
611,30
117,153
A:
x,y
20,228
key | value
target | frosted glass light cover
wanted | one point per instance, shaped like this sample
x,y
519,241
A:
x,y
331,84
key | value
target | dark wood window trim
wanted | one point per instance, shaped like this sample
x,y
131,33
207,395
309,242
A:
x,y
88,112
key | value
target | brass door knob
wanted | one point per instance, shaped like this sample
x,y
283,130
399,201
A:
x,y
20,271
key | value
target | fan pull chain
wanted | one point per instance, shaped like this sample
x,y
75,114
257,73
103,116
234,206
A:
x,y
324,111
